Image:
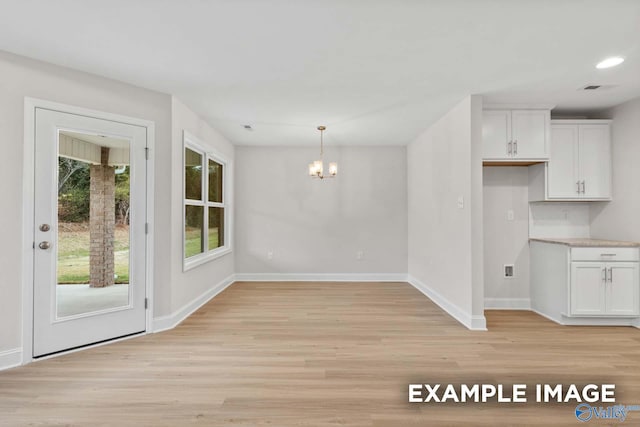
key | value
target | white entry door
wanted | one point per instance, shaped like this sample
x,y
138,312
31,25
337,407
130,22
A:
x,y
89,228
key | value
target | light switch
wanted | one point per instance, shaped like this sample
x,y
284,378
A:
x,y
460,202
510,215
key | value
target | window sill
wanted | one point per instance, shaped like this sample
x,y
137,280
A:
x,y
197,260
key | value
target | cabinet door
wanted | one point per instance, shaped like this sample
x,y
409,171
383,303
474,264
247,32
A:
x,y
496,134
529,130
562,170
622,289
587,288
595,161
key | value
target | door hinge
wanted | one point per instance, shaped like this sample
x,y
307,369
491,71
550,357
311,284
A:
x,y
146,303
146,228
146,153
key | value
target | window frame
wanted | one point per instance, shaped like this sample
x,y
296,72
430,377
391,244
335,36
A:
x,y
194,144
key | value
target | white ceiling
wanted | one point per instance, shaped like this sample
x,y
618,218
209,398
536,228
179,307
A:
x,y
374,72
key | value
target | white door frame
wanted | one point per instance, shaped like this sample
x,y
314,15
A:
x,y
28,213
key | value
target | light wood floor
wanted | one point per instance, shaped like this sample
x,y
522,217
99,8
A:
x,y
320,354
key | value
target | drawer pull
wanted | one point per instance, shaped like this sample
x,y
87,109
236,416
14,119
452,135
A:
x,y
608,254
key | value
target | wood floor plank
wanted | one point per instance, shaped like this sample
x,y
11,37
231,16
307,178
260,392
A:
x,y
320,354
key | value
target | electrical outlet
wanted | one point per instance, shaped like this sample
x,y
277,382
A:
x,y
269,254
510,215
509,272
460,202
360,255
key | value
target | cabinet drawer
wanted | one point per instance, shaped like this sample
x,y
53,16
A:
x,y
604,254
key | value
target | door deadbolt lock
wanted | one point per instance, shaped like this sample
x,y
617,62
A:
x,y
44,245
45,227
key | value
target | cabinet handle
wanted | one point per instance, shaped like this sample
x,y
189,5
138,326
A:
x,y
610,274
604,271
509,147
578,185
515,147
583,187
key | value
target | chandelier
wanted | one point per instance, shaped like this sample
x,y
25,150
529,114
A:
x,y
316,169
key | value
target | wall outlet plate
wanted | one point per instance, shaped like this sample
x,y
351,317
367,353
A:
x,y
509,271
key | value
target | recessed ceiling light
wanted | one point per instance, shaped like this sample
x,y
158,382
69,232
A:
x,y
610,62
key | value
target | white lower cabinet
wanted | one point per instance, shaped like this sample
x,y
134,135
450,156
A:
x,y
585,285
621,297
604,288
587,289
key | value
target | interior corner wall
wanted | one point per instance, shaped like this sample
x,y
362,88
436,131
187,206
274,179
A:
x,y
288,223
187,286
23,77
619,219
442,186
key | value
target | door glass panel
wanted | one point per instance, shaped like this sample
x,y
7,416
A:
x,y
93,232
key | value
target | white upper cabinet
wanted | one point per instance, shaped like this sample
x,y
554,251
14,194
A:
x,y
580,162
515,135
562,172
594,161
496,134
530,133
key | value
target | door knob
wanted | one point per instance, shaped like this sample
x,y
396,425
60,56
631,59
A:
x,y
45,227
44,245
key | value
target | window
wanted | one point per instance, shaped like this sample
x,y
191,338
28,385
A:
x,y
206,210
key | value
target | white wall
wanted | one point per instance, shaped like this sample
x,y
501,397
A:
x,y
506,241
24,77
318,226
620,218
190,285
562,220
445,240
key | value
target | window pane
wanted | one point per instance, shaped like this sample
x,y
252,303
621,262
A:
x,y
194,216
216,228
215,181
193,174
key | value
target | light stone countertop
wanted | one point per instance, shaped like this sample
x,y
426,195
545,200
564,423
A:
x,y
588,243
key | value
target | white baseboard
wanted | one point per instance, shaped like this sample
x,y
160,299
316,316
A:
x,y
507,304
591,321
546,316
10,358
321,277
475,323
164,323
